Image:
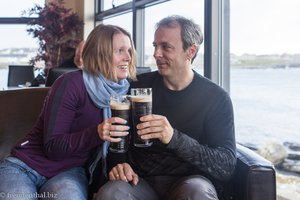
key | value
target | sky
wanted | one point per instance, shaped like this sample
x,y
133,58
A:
x,y
256,26
16,35
260,26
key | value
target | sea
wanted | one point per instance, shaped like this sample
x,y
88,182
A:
x,y
266,104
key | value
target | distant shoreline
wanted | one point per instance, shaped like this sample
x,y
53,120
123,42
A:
x,y
267,66
232,66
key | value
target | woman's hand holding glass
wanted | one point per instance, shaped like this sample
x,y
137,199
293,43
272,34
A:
x,y
110,129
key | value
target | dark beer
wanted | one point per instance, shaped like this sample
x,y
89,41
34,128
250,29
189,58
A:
x,y
141,106
122,110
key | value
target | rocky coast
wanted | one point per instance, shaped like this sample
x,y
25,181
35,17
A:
x,y
286,159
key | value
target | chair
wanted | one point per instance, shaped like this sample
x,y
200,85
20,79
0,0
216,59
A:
x,y
19,74
54,73
254,177
20,109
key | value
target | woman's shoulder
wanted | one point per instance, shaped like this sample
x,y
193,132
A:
x,y
73,74
72,80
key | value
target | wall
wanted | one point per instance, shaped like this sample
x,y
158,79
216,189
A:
x,y
85,10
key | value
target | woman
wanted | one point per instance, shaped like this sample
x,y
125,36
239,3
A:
x,y
75,120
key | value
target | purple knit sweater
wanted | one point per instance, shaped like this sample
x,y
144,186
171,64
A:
x,y
65,133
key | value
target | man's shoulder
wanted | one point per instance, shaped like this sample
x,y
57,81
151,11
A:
x,y
206,82
148,75
208,88
145,79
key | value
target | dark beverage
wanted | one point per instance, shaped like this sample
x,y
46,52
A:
x,y
122,110
141,106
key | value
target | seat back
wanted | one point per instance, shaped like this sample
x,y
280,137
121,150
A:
x,y
141,70
254,177
19,74
20,109
54,73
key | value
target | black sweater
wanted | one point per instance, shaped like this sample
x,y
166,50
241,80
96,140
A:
x,y
203,122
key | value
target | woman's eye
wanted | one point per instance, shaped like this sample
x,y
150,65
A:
x,y
118,51
122,51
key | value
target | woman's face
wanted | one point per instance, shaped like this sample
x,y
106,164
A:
x,y
121,55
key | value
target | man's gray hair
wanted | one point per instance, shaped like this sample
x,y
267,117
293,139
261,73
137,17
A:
x,y
190,32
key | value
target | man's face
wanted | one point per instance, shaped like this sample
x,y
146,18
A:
x,y
170,57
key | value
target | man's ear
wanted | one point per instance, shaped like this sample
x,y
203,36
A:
x,y
192,51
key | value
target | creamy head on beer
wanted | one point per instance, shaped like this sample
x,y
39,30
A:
x,y
119,105
141,98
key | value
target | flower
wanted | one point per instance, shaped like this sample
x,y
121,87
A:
x,y
58,29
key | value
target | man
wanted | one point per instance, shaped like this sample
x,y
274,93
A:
x,y
192,126
78,55
76,60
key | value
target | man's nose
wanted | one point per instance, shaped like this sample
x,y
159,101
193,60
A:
x,y
157,52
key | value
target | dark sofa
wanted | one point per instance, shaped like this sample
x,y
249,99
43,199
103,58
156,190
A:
x,y
254,177
19,109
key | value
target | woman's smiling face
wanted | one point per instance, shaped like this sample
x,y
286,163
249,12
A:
x,y
121,55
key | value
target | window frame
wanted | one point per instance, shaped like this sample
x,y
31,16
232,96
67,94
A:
x,y
216,35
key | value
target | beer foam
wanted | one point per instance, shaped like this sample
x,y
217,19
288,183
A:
x,y
119,105
141,98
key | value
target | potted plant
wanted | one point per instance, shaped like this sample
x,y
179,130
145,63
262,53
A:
x,y
58,29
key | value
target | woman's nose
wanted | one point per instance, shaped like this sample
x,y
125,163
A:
x,y
127,56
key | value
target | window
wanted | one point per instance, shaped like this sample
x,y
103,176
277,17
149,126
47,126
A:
x,y
147,19
15,8
124,21
108,4
16,36
16,46
265,70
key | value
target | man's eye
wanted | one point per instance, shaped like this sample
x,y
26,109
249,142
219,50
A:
x,y
166,46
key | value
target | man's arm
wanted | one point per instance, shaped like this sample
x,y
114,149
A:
x,y
219,162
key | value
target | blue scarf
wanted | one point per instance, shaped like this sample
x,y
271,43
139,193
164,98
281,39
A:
x,y
100,90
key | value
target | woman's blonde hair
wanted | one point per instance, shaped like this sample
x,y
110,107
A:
x,y
97,54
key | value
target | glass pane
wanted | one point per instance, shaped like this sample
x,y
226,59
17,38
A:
x,y
14,8
265,70
108,4
16,47
124,21
187,8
